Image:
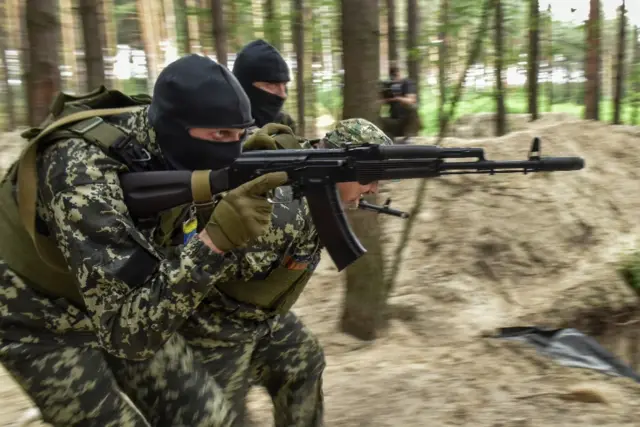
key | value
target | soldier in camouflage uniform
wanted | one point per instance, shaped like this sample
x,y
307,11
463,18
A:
x,y
73,338
246,334
264,74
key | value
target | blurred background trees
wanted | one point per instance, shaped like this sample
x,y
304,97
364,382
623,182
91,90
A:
x,y
542,55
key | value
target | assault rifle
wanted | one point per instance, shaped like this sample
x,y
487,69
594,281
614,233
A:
x,y
313,174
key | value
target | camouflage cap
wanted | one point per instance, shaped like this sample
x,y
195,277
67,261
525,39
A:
x,y
355,131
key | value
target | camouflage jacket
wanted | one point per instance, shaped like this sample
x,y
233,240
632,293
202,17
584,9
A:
x,y
292,234
135,295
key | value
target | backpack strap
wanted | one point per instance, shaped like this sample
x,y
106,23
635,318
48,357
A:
x,y
86,124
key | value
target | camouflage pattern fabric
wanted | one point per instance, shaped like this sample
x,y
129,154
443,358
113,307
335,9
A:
x,y
355,131
242,345
135,299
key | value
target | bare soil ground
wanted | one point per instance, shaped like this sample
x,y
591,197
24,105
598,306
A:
x,y
489,252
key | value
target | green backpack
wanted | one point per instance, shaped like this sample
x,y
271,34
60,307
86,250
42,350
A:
x,y
32,255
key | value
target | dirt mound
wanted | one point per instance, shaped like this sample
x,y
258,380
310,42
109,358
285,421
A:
x,y
489,252
482,125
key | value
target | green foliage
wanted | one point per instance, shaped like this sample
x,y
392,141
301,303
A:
x,y
135,86
125,13
629,269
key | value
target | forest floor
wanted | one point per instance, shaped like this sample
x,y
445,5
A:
x,y
488,252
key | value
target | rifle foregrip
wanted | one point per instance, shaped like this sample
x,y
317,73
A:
x,y
332,226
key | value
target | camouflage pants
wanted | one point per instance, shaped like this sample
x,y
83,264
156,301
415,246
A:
x,y
241,346
48,346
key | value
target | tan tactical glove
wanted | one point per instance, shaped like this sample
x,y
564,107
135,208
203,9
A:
x,y
259,141
275,129
263,139
243,213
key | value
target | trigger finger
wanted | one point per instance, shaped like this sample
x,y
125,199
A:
x,y
267,182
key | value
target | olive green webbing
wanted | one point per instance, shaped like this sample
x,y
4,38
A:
x,y
97,131
201,186
269,293
19,252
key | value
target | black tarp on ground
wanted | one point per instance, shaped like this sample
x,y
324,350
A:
x,y
570,347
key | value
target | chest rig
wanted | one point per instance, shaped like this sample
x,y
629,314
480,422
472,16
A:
x,y
272,273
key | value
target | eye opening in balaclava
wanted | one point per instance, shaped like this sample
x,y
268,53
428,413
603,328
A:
x,y
197,92
259,61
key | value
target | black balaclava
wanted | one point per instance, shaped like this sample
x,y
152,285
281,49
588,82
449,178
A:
x,y
197,92
260,62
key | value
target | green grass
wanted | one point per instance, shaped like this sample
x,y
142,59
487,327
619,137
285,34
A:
x,y
516,103
630,270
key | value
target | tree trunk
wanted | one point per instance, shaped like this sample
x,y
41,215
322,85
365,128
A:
x,y
550,57
472,58
169,8
413,54
365,291
42,71
391,31
70,45
159,29
592,66
182,27
9,108
272,23
92,35
311,16
533,66
256,15
234,26
145,18
110,30
501,113
617,99
298,42
442,58
384,39
203,15
194,26
636,67
219,32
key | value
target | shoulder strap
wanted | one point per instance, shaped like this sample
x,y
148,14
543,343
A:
x,y
87,124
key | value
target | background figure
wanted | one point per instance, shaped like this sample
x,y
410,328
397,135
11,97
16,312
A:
x,y
264,74
400,95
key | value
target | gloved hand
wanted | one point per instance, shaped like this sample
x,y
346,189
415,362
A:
x,y
275,129
243,213
259,141
262,138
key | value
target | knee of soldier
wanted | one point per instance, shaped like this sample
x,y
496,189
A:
x,y
315,358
